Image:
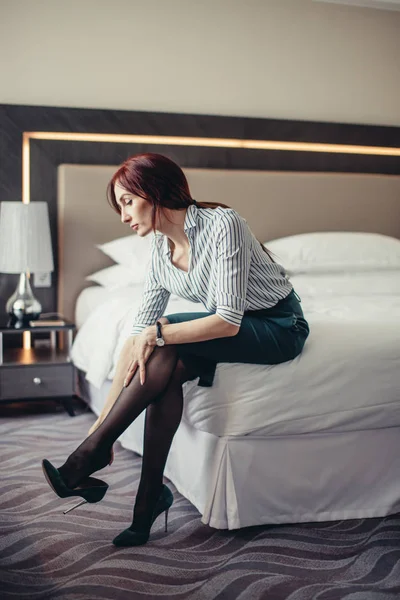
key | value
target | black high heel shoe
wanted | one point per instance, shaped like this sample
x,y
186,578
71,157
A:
x,y
138,537
90,493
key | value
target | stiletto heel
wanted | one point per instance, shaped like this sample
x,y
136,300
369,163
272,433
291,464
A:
x,y
91,493
76,506
138,537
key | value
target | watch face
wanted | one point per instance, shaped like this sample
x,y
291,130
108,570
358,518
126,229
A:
x,y
160,342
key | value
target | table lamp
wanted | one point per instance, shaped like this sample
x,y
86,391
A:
x,y
25,245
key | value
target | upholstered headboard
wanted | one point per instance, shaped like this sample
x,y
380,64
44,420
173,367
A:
x,y
275,204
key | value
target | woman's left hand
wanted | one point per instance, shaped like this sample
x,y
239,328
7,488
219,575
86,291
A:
x,y
145,342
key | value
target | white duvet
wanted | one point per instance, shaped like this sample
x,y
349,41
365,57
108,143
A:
x,y
347,377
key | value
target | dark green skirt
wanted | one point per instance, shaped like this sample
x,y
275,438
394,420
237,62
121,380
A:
x,y
266,337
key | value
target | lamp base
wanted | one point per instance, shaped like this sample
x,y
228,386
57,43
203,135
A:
x,y
22,306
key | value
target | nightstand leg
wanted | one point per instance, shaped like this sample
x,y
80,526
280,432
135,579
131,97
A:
x,y
53,339
70,336
68,405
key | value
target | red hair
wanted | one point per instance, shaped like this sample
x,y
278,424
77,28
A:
x,y
160,181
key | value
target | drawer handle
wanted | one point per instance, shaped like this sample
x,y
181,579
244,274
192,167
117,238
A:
x,y
37,380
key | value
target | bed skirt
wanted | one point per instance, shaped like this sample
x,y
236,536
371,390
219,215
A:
x,y
240,481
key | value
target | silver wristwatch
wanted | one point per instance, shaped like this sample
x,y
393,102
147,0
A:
x,y
159,338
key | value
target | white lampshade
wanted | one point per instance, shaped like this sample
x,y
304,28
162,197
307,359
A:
x,y
25,240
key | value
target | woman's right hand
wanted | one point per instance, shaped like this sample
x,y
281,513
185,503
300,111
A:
x,y
138,355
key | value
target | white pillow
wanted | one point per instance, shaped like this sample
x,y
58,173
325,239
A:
x,y
353,283
334,251
132,252
114,277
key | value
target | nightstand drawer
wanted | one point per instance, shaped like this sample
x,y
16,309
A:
x,y
38,381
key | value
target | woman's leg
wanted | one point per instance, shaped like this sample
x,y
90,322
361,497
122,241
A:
x,y
163,416
94,452
124,360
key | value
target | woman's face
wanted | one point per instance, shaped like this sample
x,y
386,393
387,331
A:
x,y
135,211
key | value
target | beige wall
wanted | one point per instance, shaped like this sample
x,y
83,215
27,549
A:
x,y
290,59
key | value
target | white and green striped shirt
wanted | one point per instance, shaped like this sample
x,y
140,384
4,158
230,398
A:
x,y
229,272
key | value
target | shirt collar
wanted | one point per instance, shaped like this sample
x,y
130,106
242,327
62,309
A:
x,y
191,217
189,223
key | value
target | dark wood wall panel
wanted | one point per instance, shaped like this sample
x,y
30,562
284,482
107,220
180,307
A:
x,y
47,155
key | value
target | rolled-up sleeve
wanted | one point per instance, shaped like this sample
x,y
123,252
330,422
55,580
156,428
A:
x,y
152,305
233,260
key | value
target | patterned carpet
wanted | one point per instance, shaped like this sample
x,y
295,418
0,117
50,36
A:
x,y
48,555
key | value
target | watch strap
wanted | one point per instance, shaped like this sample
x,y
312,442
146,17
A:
x,y
158,329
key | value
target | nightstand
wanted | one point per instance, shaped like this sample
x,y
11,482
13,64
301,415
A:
x,y
38,373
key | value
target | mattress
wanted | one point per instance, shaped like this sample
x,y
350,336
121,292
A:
x,y
347,376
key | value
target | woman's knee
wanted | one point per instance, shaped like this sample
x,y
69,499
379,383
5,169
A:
x,y
165,355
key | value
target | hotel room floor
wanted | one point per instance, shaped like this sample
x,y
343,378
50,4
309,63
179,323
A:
x,y
46,554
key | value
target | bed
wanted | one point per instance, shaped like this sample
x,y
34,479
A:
x,y
312,439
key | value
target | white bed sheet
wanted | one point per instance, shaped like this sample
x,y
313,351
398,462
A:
x,y
346,378
88,300
91,298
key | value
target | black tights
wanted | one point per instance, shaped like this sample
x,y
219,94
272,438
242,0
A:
x,y
162,395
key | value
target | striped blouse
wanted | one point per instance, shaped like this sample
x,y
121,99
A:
x,y
229,272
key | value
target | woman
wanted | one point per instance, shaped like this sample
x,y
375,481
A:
x,y
204,252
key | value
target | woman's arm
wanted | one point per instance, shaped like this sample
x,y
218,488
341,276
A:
x,y
152,304
197,330
233,252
